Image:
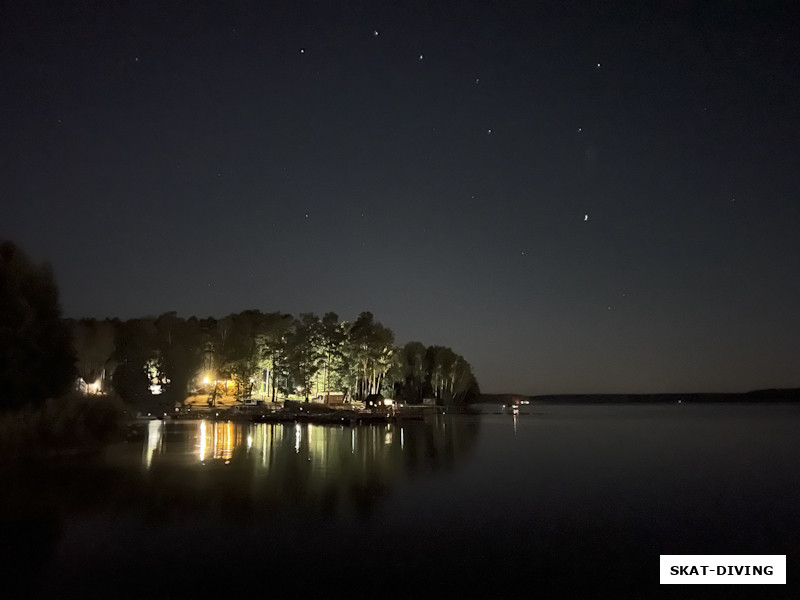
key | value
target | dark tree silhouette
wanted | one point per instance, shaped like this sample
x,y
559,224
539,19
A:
x,y
134,350
37,360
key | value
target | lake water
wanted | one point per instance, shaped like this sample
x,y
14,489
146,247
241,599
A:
x,y
559,501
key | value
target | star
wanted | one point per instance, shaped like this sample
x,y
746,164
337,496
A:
x,y
421,56
302,50
586,217
375,33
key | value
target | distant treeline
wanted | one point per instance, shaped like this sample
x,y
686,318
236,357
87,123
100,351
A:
x,y
771,395
274,354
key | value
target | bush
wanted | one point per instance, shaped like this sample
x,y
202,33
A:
x,y
69,425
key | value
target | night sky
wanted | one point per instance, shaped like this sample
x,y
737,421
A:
x,y
576,197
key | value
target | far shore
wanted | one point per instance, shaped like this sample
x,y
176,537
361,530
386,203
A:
x,y
785,395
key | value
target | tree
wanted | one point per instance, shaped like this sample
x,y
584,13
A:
x,y
237,350
333,365
410,373
449,376
93,341
273,349
440,363
463,384
135,356
37,360
304,350
180,352
370,347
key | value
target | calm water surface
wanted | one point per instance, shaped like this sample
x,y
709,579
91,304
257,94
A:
x,y
564,501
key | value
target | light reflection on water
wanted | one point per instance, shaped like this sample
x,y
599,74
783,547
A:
x,y
461,499
152,442
310,460
228,441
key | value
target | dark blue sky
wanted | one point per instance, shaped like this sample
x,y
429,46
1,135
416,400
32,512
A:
x,y
575,198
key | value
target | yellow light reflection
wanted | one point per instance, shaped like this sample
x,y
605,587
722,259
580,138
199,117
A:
x,y
201,452
153,441
223,441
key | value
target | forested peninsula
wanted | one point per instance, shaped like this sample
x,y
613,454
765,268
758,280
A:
x,y
68,383
157,362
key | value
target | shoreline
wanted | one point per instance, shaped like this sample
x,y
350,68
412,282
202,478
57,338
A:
x,y
768,396
296,413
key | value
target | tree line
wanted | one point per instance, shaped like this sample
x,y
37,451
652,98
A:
x,y
42,354
275,354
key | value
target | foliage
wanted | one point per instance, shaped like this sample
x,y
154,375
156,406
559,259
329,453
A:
x,y
409,373
180,356
284,353
70,424
435,371
303,351
332,360
135,349
274,351
369,348
37,360
94,347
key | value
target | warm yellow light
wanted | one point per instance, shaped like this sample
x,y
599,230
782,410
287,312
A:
x,y
206,380
203,442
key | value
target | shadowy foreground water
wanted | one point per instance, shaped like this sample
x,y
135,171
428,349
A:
x,y
557,501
